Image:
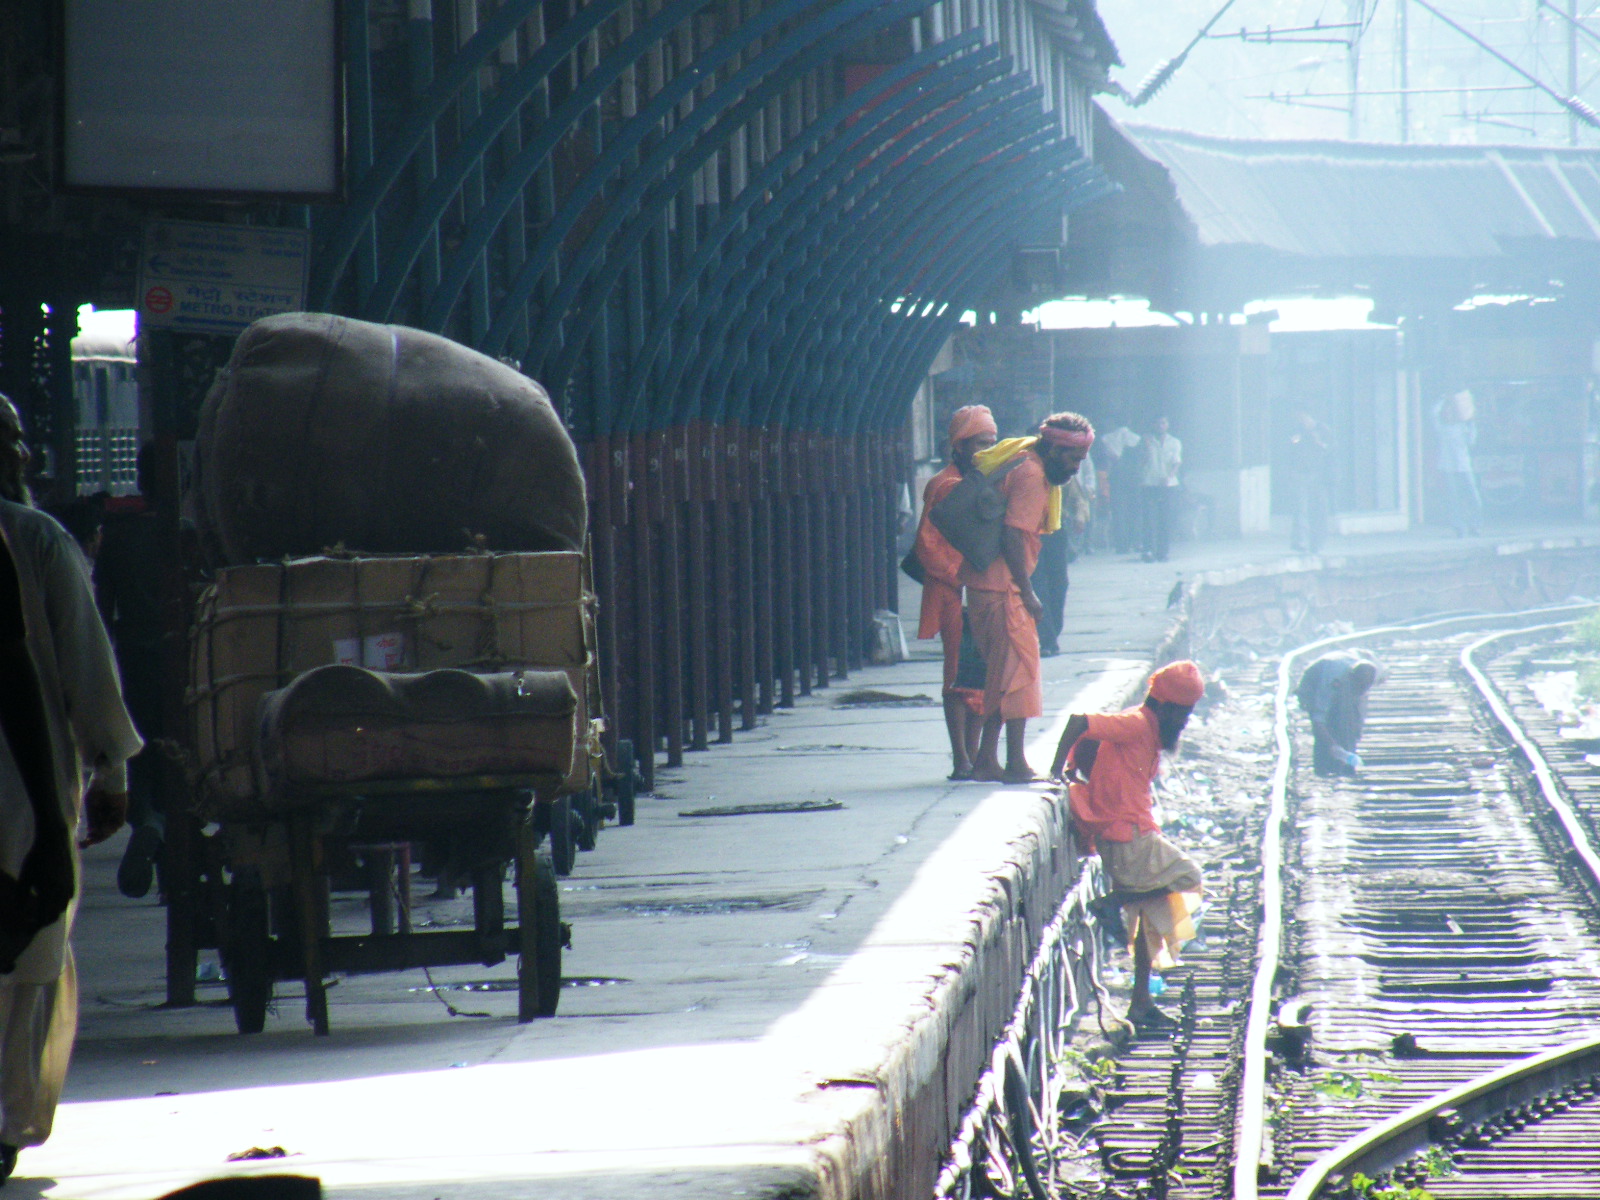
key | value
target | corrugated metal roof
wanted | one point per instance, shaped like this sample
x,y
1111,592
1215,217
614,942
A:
x,y
1362,200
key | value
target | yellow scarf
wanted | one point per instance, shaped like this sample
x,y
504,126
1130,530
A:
x,y
997,455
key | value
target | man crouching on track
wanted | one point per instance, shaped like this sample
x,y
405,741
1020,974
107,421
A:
x,y
1155,886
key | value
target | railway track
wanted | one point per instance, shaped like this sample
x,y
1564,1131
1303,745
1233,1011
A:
x,y
1435,928
1395,995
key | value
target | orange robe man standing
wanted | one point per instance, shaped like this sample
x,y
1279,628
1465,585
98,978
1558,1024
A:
x,y
1156,887
971,429
1001,604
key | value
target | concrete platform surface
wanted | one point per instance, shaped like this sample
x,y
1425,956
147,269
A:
x,y
774,1004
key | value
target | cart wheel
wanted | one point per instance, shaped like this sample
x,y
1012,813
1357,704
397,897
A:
x,y
539,914
247,952
627,781
588,817
562,850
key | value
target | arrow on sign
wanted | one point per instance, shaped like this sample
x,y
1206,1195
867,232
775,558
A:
x,y
164,268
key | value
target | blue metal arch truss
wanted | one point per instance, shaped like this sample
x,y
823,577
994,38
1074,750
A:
x,y
729,236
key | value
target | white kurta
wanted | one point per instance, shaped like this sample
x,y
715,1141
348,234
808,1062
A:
x,y
89,726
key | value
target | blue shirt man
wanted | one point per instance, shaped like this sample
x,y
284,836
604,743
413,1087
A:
x,y
1333,692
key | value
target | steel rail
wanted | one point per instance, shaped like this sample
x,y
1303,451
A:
x,y
1251,1137
1391,1142
1572,826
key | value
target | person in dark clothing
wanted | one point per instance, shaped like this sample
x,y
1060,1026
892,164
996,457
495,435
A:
x,y
128,591
1310,468
84,519
1050,583
1051,579
1333,692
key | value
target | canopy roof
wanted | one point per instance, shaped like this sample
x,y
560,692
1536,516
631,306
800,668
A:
x,y
1327,199
1319,214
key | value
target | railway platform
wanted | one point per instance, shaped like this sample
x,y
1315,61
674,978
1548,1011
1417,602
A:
x,y
791,1000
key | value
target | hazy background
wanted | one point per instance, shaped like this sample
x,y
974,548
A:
x,y
1296,86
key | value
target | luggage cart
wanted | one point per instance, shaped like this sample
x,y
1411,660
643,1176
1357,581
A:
x,y
272,933
257,887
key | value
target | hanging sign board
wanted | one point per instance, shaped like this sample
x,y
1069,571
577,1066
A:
x,y
203,278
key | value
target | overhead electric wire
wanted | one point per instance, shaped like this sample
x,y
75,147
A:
x,y
1572,104
1290,35
1573,21
1430,91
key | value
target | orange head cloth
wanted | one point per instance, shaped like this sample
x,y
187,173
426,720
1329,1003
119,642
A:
x,y
971,421
1178,683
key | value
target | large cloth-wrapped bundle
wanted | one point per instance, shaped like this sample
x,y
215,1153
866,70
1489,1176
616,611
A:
x,y
324,431
258,627
346,725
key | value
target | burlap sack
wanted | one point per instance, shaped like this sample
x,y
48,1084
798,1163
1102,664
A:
x,y
324,430
348,725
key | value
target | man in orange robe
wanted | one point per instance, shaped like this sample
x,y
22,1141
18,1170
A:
x,y
971,429
1156,887
1000,600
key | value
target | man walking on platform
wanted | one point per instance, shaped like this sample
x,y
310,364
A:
x,y
1155,886
61,710
971,429
1122,468
1163,458
1002,606
1310,463
1456,431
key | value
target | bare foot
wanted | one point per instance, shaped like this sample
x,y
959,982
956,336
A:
x,y
961,773
1022,774
988,771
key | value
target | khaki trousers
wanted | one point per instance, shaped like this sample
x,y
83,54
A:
x,y
38,1022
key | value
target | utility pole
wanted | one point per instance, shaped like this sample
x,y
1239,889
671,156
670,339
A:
x,y
1356,15
1402,57
1572,68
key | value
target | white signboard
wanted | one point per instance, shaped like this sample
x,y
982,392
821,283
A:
x,y
201,278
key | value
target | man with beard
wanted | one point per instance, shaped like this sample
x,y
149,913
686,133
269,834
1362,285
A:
x,y
62,711
1001,604
1155,887
971,429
